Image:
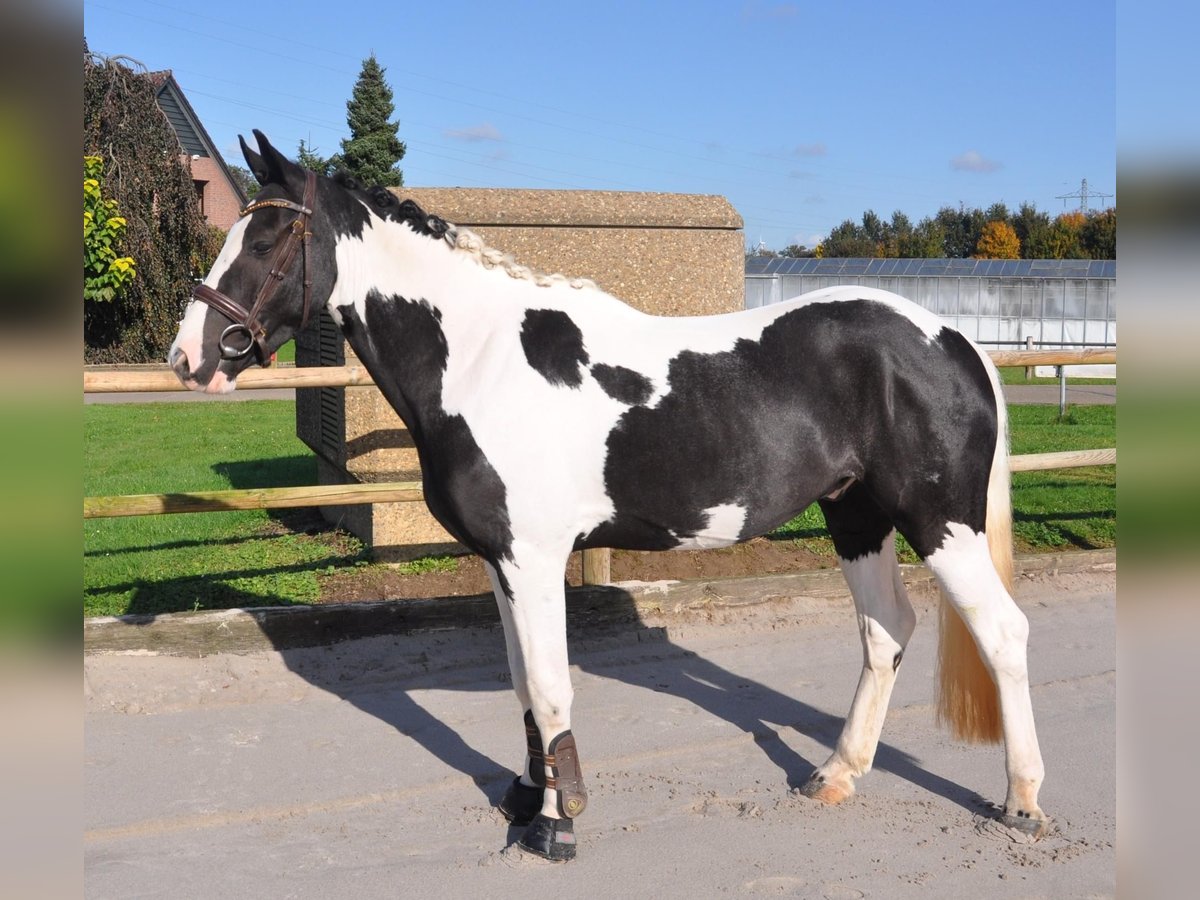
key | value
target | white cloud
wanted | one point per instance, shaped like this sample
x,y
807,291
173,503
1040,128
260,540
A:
x,y
476,133
974,161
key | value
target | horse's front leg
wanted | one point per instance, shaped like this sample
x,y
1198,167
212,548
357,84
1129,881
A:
x,y
523,799
550,792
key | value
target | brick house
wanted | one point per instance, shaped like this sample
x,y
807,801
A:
x,y
219,194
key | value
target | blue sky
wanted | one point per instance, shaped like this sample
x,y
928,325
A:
x,y
801,114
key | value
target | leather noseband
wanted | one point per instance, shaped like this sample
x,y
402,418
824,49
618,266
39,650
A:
x,y
245,322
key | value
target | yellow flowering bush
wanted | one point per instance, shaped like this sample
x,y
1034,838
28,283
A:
x,y
105,274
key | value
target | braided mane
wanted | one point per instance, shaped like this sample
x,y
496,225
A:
x,y
388,206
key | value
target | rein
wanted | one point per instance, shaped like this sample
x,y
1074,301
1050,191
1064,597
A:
x,y
245,322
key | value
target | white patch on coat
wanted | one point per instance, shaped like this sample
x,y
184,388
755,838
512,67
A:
x,y
725,524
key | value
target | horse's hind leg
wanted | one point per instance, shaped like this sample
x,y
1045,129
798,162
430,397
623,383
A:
x,y
964,569
866,546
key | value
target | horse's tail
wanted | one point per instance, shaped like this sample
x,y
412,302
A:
x,y
968,702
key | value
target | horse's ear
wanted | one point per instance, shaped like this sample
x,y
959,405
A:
x,y
256,163
272,166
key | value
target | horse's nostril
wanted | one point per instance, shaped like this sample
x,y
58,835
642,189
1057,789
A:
x,y
179,362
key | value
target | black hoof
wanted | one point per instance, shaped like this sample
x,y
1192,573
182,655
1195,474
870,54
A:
x,y
520,803
815,782
1026,824
552,839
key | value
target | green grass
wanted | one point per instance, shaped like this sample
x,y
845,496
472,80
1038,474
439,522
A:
x,y
286,353
1064,508
156,564
1016,375
151,564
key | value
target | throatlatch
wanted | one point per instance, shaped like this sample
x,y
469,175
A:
x,y
566,776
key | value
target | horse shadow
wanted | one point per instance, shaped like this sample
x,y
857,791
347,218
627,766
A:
x,y
608,639
600,621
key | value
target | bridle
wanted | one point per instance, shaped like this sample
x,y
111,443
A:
x,y
246,323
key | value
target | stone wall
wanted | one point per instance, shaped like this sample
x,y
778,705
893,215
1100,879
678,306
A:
x,y
666,254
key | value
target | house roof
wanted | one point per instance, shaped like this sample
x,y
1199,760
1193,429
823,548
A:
x,y
193,138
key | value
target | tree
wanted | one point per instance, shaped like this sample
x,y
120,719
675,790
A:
x,y
926,241
998,212
998,240
145,172
961,228
1062,240
797,251
372,151
874,231
850,240
1031,226
245,180
310,158
1100,234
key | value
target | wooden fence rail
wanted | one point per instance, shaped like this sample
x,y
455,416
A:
x,y
596,563
410,491
110,381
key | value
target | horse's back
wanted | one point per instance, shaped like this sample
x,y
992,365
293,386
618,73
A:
x,y
840,383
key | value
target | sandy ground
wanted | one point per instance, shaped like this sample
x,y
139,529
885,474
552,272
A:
x,y
369,768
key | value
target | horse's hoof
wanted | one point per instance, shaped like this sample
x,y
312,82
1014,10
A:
x,y
1026,824
520,803
552,839
818,788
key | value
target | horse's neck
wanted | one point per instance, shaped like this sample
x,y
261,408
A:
x,y
406,302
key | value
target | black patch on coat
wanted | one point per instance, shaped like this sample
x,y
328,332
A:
x,y
829,391
553,346
405,351
856,523
622,384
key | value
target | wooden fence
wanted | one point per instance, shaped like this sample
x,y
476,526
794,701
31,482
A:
x,y
595,563
115,381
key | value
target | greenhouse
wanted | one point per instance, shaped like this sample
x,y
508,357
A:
x,y
996,302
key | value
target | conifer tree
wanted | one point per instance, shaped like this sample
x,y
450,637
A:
x,y
372,151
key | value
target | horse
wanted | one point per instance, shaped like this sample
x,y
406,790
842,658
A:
x,y
549,416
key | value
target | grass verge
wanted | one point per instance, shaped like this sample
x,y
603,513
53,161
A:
x,y
155,564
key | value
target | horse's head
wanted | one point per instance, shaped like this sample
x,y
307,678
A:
x,y
275,271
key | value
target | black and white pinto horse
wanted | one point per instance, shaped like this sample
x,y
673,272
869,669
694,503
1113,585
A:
x,y
549,416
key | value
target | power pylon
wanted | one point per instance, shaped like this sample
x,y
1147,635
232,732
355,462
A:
x,y
1082,195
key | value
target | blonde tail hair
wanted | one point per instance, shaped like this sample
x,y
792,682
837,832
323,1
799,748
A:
x,y
968,703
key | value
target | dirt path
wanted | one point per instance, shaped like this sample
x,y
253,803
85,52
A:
x,y
370,768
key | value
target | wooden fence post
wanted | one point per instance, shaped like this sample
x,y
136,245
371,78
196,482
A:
x,y
597,566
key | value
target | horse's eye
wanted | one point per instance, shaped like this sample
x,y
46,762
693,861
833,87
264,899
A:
x,y
261,247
